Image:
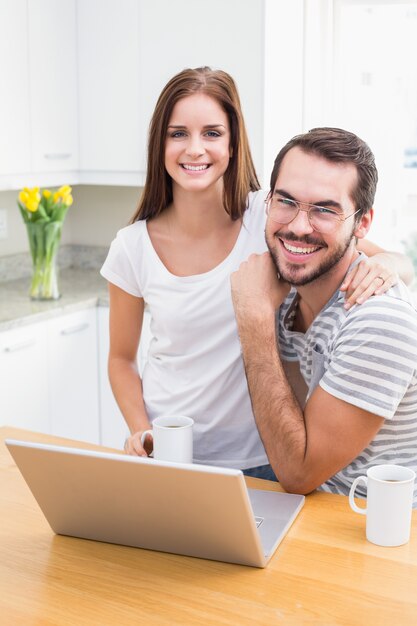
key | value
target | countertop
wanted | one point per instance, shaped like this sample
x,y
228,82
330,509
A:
x,y
324,571
80,288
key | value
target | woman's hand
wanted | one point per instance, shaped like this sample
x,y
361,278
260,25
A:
x,y
371,277
133,445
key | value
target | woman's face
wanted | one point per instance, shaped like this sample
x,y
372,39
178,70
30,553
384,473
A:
x,y
197,146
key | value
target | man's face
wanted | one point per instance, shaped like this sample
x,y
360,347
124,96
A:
x,y
301,253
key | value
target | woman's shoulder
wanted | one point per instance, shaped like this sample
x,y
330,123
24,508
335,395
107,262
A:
x,y
255,211
257,198
132,232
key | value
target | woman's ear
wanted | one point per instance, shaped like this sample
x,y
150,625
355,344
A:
x,y
364,224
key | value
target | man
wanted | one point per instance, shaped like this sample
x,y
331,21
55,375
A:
x,y
334,390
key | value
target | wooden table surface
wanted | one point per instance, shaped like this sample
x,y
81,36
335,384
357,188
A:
x,y
324,572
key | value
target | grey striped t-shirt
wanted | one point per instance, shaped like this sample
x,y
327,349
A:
x,y
366,356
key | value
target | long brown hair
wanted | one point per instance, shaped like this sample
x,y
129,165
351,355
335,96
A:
x,y
338,146
240,176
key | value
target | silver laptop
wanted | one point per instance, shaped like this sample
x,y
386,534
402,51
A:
x,y
189,509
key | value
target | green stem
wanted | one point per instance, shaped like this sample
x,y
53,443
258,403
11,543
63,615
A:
x,y
44,238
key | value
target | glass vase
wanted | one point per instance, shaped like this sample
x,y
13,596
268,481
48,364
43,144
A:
x,y
44,238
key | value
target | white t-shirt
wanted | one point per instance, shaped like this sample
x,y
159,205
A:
x,y
194,364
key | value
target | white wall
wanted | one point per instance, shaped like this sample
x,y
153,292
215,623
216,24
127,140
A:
x,y
283,79
98,213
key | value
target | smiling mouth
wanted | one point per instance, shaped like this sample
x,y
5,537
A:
x,y
195,168
301,250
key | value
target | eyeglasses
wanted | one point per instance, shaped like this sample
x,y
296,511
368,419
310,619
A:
x,y
322,219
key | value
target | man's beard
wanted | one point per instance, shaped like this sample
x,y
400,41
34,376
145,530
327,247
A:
x,y
295,275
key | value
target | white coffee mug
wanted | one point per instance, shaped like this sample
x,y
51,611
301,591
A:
x,y
172,438
389,503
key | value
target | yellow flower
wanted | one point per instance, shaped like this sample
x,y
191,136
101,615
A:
x,y
23,197
64,190
48,204
63,195
32,204
30,198
34,193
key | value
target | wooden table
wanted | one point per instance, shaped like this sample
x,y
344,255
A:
x,y
324,572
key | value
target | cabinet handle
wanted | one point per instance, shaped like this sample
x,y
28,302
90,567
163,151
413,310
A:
x,y
20,345
74,329
57,156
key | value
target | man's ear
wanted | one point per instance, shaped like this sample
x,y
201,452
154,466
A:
x,y
364,224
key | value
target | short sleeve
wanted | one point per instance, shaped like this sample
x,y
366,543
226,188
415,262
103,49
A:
x,y
373,360
118,268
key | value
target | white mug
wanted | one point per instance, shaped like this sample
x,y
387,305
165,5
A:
x,y
389,503
172,438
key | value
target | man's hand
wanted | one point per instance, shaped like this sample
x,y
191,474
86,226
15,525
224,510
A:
x,y
256,287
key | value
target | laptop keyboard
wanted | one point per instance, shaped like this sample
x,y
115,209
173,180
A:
x,y
258,521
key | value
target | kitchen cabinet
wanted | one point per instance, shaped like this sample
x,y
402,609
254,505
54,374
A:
x,y
24,376
129,49
49,375
14,90
227,35
54,377
93,70
73,376
39,93
111,129
52,30
113,426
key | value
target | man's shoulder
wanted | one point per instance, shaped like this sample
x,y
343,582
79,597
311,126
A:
x,y
395,303
388,320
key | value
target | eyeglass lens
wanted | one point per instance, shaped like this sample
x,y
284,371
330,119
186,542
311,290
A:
x,y
285,210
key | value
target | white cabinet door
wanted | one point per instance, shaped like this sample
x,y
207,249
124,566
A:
x,y
99,67
53,84
14,88
110,108
24,379
73,376
113,426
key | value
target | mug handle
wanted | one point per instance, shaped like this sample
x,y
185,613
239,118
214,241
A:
x,y
352,502
143,437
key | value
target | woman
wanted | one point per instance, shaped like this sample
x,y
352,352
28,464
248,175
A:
x,y
200,215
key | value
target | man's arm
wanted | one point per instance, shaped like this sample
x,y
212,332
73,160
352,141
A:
x,y
296,381
305,448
